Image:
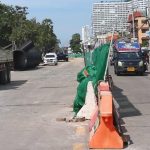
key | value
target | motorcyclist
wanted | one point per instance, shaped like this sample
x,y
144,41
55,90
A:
x,y
145,59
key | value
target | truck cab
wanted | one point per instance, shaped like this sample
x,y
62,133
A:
x,y
128,58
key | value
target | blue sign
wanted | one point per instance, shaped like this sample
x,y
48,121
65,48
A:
x,y
148,33
132,45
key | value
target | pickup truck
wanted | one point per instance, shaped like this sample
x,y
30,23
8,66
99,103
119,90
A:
x,y
128,58
6,65
62,56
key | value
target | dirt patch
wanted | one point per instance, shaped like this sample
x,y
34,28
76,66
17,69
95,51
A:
x,y
77,60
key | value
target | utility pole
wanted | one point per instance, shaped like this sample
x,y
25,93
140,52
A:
x,y
133,26
148,8
148,16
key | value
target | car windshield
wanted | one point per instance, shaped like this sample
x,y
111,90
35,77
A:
x,y
50,56
130,55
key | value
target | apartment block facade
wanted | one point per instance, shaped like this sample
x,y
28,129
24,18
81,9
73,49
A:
x,y
106,15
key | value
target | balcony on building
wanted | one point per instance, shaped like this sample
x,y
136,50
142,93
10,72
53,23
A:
x,y
141,26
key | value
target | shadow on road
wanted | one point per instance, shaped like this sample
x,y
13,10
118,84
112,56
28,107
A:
x,y
55,87
127,109
13,85
30,69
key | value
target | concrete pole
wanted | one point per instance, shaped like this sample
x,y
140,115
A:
x,y
110,47
148,8
148,19
133,23
133,26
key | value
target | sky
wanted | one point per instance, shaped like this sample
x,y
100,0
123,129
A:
x,y
68,16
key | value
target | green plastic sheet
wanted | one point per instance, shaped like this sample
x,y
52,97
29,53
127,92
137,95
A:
x,y
96,66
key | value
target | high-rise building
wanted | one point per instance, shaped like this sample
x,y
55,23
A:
x,y
139,5
86,33
114,14
110,14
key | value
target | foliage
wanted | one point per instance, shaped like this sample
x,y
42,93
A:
x,y
15,27
75,43
145,43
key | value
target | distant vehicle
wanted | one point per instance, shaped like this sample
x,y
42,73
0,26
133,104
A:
x,y
62,56
145,54
50,58
128,58
111,60
6,65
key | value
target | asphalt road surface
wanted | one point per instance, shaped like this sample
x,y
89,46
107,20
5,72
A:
x,y
132,93
32,106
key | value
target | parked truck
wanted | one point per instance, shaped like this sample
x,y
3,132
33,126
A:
x,y
6,64
27,56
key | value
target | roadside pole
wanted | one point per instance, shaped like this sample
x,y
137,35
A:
x,y
148,20
82,45
107,68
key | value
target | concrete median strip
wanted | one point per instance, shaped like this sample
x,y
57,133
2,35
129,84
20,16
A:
x,y
90,103
81,131
78,146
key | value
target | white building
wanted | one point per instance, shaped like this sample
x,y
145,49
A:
x,y
140,4
106,15
86,33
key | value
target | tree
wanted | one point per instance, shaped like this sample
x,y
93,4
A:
x,y
75,43
145,43
47,39
15,27
5,24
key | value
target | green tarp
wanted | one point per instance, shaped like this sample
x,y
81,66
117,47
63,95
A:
x,y
94,71
100,56
84,76
88,58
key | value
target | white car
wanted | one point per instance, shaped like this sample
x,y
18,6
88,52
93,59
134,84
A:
x,y
50,58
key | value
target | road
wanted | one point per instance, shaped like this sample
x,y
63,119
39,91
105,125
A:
x,y
133,96
32,106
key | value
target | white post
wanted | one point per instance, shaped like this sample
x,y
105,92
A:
x,y
109,54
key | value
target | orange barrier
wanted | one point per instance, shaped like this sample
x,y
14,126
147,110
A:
x,y
105,135
104,86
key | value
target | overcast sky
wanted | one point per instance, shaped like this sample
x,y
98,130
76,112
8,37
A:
x,y
68,16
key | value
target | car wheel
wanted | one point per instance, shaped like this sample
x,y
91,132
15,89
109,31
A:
x,y
117,73
114,71
141,73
